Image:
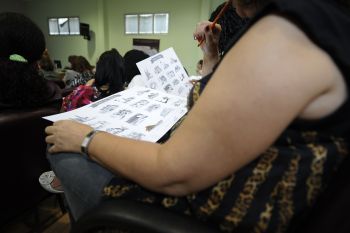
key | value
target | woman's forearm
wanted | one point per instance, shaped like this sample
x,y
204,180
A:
x,y
143,162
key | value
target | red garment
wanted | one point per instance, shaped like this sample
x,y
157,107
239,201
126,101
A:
x,y
80,96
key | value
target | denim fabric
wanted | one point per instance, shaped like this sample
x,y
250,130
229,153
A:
x,y
82,179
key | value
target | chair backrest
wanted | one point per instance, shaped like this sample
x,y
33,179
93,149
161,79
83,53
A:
x,y
23,159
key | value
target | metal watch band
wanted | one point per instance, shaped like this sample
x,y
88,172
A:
x,y
86,142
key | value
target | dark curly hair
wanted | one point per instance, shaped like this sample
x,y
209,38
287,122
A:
x,y
21,84
110,70
230,23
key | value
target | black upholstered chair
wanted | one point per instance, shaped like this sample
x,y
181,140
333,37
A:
x,y
23,159
329,215
135,217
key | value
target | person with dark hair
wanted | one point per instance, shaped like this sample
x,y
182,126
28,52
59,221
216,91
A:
x,y
130,59
72,59
22,45
265,133
226,28
109,79
110,76
85,72
70,72
230,22
47,70
46,63
82,64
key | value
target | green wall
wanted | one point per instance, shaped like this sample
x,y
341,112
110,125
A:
x,y
60,47
106,19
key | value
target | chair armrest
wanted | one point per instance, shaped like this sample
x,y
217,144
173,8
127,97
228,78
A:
x,y
137,217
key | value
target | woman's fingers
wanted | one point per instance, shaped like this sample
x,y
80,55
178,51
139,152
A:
x,y
199,32
50,139
49,130
52,149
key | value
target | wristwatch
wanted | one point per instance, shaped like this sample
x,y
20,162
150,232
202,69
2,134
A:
x,y
86,141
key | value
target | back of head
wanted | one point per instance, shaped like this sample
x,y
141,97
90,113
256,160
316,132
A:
x,y
19,35
22,44
110,71
46,63
82,64
130,59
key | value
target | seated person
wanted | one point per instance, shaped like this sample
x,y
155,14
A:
x,y
70,71
257,147
47,70
132,72
109,79
227,26
71,60
22,45
85,73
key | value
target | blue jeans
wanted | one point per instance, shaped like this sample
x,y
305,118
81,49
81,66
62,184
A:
x,y
82,179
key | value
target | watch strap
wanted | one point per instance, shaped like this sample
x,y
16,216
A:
x,y
86,141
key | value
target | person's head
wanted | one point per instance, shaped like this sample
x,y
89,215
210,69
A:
x,y
46,63
81,64
22,44
230,23
130,59
72,59
199,67
110,73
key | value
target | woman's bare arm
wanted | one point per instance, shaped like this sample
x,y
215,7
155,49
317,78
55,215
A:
x,y
273,75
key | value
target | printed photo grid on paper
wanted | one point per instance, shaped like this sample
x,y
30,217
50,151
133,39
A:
x,y
139,113
164,72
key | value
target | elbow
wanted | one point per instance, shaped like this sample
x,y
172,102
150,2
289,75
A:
x,y
178,183
177,190
174,178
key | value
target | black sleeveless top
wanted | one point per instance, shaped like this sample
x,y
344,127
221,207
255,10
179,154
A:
x,y
275,191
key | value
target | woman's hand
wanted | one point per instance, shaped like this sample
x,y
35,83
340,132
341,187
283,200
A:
x,y
66,136
210,36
